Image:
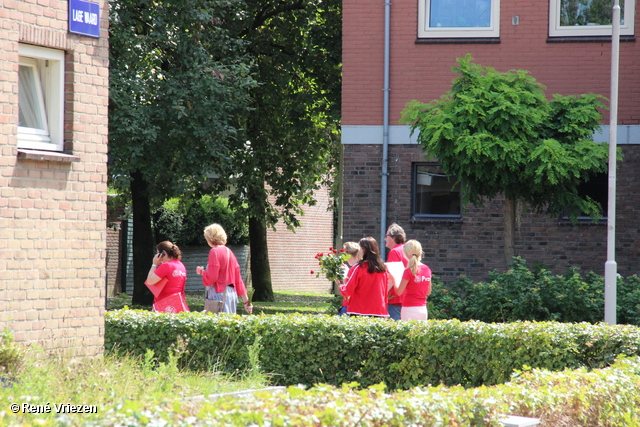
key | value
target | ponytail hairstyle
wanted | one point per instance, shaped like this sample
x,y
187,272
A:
x,y
172,250
413,252
371,255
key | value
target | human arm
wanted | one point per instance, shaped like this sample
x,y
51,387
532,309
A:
x,y
406,276
152,277
402,286
210,275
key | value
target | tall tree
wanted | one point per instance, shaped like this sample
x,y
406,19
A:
x,y
178,79
290,139
498,134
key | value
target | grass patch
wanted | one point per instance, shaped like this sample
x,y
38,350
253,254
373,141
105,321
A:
x,y
108,383
286,302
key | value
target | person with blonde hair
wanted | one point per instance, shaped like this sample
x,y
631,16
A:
x,y
416,281
353,250
222,275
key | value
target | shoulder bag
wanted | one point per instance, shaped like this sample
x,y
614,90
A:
x,y
214,306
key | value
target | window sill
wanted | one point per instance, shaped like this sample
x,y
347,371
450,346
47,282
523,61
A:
x,y
49,156
587,39
459,40
583,222
435,219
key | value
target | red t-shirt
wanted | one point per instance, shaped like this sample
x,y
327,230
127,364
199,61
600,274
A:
x,y
396,254
222,270
176,276
418,287
367,292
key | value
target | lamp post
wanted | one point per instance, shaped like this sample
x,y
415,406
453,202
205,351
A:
x,y
610,267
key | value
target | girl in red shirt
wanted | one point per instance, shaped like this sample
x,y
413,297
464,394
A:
x,y
167,265
415,284
367,286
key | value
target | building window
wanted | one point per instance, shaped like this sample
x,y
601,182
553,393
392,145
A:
x,y
458,18
434,195
588,17
597,188
40,98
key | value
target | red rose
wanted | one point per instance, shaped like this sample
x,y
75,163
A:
x,y
342,250
312,271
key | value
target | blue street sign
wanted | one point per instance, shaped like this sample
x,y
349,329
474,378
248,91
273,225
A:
x,y
84,18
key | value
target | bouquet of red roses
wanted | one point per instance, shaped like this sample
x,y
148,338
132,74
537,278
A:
x,y
331,264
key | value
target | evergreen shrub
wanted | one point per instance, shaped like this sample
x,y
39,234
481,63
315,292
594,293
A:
x,y
298,349
182,221
522,293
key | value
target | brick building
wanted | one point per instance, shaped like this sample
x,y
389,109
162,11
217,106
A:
x,y
567,50
53,172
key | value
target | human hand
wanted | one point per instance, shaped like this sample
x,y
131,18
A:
x,y
199,270
248,307
157,259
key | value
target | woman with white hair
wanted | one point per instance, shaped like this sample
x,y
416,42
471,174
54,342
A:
x,y
222,275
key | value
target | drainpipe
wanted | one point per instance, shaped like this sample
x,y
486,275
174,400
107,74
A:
x,y
385,130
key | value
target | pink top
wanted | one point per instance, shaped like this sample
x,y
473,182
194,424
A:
x,y
176,276
396,254
222,270
367,292
418,287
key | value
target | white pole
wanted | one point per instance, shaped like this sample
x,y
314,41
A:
x,y
610,267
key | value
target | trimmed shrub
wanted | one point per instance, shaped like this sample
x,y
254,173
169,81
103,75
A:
x,y
335,350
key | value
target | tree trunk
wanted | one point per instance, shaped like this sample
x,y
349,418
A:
x,y
509,230
260,269
142,239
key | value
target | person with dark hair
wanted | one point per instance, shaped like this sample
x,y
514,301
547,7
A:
x,y
394,240
167,265
367,286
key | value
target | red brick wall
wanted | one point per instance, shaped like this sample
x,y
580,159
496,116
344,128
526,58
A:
x,y
423,71
473,245
53,210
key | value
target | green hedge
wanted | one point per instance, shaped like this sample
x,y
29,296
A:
x,y
522,293
335,350
597,398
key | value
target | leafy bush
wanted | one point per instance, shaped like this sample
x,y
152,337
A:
x,y
336,350
11,357
182,221
536,295
598,398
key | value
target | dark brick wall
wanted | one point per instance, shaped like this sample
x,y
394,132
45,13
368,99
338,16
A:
x,y
474,245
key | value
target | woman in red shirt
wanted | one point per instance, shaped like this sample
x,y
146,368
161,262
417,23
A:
x,y
167,265
367,286
415,284
223,272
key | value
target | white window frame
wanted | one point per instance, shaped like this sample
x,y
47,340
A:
x,y
48,65
424,31
556,30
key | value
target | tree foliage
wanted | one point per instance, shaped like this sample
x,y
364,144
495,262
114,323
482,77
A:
x,y
290,137
178,79
498,134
